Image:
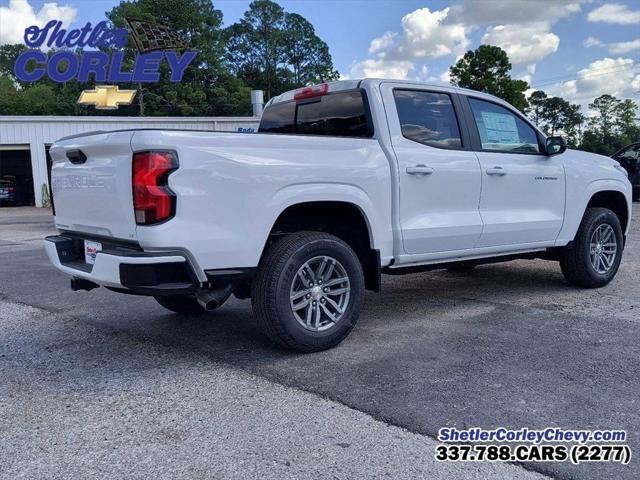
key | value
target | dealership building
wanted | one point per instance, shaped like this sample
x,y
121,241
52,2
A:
x,y
25,141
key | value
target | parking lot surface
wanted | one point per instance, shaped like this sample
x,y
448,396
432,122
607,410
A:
x,y
107,385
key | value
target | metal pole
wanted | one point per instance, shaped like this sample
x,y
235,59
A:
x,y
257,102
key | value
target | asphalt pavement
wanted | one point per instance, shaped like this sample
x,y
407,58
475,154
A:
x,y
99,384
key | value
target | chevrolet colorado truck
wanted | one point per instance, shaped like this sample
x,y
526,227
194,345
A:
x,y
344,182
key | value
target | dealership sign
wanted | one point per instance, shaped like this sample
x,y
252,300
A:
x,y
156,45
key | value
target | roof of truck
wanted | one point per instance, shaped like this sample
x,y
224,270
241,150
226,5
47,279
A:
x,y
356,83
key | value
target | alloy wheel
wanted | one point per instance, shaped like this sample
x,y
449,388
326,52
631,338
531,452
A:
x,y
319,293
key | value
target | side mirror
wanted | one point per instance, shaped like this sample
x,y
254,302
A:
x,y
555,145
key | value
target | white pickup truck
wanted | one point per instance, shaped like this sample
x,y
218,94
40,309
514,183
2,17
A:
x,y
344,181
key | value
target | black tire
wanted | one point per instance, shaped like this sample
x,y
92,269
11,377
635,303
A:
x,y
185,304
271,290
462,267
575,260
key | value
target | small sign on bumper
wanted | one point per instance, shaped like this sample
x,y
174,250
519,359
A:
x,y
91,249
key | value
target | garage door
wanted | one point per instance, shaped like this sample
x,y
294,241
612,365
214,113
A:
x,y
16,177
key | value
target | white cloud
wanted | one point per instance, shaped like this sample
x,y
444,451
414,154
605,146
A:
x,y
592,42
614,13
445,77
423,74
382,42
618,48
528,74
20,15
521,27
484,12
523,43
615,76
381,68
566,90
624,47
427,34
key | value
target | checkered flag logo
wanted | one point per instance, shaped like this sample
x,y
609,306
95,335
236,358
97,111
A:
x,y
149,36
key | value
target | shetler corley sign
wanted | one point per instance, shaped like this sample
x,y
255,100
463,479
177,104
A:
x,y
153,41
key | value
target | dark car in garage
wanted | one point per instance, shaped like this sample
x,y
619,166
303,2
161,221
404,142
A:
x,y
7,192
629,158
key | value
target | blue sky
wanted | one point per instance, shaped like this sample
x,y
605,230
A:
x,y
575,48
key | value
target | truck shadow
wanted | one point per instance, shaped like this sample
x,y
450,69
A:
x,y
230,332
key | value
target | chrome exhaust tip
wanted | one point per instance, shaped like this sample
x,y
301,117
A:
x,y
212,299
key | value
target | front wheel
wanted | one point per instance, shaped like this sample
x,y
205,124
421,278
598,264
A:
x,y
594,258
308,291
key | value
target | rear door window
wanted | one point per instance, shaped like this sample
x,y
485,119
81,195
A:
x,y
428,118
341,114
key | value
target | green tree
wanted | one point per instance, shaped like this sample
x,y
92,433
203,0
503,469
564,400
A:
x,y
8,55
536,106
43,97
592,142
626,114
207,87
256,43
8,96
486,69
613,125
307,55
606,107
572,123
555,115
34,100
275,51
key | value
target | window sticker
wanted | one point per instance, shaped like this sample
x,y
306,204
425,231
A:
x,y
500,128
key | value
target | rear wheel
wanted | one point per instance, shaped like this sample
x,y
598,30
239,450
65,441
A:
x,y
308,291
594,258
186,304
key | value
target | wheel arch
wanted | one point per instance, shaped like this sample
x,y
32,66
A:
x,y
607,193
343,218
615,201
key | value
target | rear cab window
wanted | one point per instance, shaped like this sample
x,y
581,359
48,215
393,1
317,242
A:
x,y
278,118
339,114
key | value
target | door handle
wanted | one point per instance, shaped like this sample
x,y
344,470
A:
x,y
419,170
496,171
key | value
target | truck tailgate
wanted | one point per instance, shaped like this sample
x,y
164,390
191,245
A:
x,y
94,196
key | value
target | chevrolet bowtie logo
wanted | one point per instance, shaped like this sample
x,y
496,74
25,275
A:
x,y
106,97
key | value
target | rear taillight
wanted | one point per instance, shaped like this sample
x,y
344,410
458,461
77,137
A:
x,y
311,91
153,200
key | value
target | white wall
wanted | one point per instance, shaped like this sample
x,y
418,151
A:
x,y
36,132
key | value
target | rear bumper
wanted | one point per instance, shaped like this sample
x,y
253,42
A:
x,y
124,267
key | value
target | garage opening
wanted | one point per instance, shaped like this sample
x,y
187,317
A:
x,y
16,178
